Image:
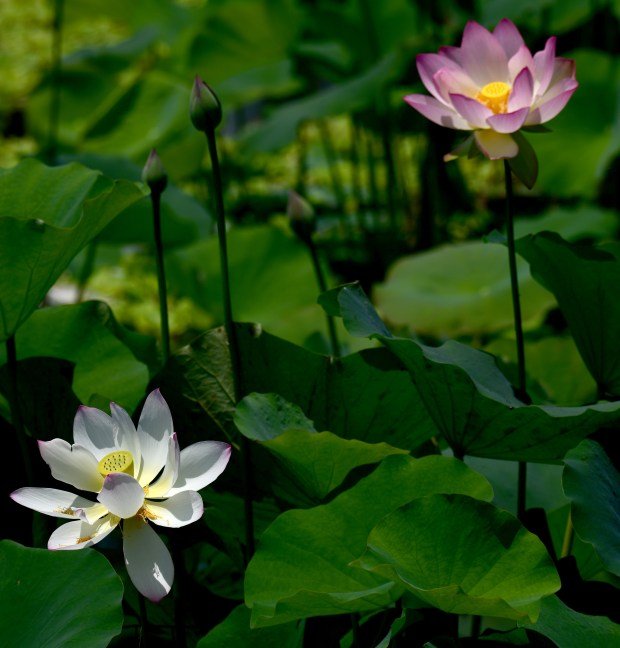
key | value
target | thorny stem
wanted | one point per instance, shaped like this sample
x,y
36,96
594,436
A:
x,y
161,274
516,306
232,338
569,536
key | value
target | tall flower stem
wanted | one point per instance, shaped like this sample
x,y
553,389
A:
x,y
16,413
516,306
161,274
231,334
320,279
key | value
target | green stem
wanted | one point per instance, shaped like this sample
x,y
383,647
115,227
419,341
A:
x,y
231,334
569,536
16,413
516,306
161,275
54,114
144,622
476,623
320,278
86,270
355,631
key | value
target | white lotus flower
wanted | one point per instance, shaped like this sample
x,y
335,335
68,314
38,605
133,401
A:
x,y
139,477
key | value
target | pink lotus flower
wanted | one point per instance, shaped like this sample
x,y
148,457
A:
x,y
494,86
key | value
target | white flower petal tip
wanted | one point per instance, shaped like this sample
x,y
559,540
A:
x,y
492,82
147,559
200,465
73,465
80,534
154,431
122,495
58,503
177,511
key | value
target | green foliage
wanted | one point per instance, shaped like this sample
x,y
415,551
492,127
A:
x,y
303,565
496,568
585,281
39,237
57,599
592,483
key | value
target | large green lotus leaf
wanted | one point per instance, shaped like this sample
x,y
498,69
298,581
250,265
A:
x,y
183,218
302,565
47,215
592,483
317,463
307,465
462,556
365,396
471,401
554,364
572,223
271,275
87,335
58,599
235,632
461,289
590,124
262,417
586,282
570,629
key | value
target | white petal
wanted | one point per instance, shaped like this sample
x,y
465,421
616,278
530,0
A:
x,y
496,146
95,431
80,534
201,464
122,495
128,436
177,511
170,473
52,501
147,559
71,464
154,431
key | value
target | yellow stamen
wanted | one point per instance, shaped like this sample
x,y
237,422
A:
x,y
84,539
495,96
65,511
117,461
145,514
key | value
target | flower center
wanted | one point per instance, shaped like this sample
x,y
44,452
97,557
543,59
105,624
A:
x,y
117,461
495,96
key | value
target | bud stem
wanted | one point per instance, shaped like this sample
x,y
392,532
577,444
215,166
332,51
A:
x,y
161,274
320,278
231,334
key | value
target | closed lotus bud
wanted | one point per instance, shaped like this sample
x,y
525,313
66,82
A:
x,y
301,215
154,174
205,109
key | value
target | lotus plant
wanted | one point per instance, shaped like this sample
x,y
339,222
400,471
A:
x,y
494,86
140,477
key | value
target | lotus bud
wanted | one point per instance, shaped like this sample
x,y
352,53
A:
x,y
154,174
205,109
301,215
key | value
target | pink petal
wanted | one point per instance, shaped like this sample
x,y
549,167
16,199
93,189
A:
x,y
522,91
543,66
508,122
508,36
563,68
428,65
454,82
553,102
496,146
434,110
470,109
482,57
522,59
451,52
